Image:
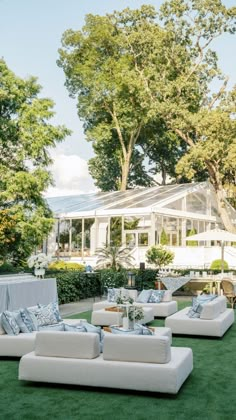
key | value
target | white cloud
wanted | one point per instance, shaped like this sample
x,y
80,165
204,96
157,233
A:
x,y
71,176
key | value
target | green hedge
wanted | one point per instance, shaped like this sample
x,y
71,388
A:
x,y
75,285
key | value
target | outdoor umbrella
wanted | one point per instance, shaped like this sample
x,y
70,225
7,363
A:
x,y
215,235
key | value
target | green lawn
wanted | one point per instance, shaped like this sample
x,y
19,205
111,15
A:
x,y
209,392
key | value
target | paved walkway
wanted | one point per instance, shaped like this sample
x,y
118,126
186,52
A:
x,y
85,305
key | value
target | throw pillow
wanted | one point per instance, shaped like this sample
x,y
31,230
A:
x,y
145,330
74,328
9,322
117,330
53,307
112,294
91,328
46,315
144,296
197,305
2,331
55,327
156,296
27,321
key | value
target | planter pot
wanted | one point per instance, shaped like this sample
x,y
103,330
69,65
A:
x,y
39,272
126,322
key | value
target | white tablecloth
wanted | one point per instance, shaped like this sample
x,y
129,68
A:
x,y
21,293
174,283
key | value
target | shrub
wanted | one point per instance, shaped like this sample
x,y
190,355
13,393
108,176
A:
x,y
164,237
159,256
112,278
62,265
217,265
191,233
7,267
75,285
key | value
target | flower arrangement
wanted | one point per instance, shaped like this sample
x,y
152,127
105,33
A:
x,y
38,261
134,313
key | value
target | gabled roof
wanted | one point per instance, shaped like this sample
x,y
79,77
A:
x,y
137,201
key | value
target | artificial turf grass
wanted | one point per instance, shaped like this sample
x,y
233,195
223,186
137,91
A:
x,y
207,394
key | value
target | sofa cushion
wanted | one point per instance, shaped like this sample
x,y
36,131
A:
x,y
67,344
167,296
198,303
145,330
156,296
144,296
112,294
214,308
27,321
137,348
9,322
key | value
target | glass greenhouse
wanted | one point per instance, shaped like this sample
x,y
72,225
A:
x,y
135,218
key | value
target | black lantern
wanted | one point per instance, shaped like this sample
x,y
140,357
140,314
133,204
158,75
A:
x,y
131,279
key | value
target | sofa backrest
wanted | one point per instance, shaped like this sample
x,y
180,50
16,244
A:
x,y
214,308
67,344
137,348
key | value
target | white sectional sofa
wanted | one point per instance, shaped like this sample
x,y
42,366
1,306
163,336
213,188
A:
x,y
214,320
18,345
163,309
144,363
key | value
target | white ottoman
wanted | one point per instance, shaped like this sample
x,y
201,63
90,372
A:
x,y
103,317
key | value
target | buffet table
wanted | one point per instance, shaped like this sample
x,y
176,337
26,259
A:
x,y
17,292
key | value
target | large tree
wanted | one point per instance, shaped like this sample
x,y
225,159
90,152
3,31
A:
x,y
105,66
26,137
133,68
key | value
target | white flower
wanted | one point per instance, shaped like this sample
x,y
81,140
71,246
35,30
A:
x,y
38,261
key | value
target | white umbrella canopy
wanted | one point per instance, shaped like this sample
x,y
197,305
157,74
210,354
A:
x,y
215,235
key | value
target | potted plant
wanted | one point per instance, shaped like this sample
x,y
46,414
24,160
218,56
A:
x,y
39,262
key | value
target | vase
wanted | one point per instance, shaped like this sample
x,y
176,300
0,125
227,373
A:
x,y
125,322
39,272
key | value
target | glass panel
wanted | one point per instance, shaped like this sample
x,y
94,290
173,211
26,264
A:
x,y
115,231
131,223
130,240
196,203
143,239
76,243
64,238
88,223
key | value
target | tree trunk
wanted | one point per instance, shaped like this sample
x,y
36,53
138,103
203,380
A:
x,y
125,173
223,210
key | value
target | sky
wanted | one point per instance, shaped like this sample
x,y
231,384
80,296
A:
x,y
30,36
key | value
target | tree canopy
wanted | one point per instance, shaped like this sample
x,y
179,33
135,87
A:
x,y
137,69
26,137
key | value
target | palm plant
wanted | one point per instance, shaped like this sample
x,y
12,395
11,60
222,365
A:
x,y
114,257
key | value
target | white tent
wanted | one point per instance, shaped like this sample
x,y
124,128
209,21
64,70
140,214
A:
x,y
215,235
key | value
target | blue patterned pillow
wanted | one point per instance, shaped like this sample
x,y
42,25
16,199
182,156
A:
x,y
46,316
197,305
117,330
53,307
55,327
144,296
156,296
27,321
9,322
91,328
112,294
145,330
74,328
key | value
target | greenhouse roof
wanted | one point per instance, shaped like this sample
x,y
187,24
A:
x,y
137,201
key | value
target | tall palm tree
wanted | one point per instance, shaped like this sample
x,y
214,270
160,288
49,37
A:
x,y
113,256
